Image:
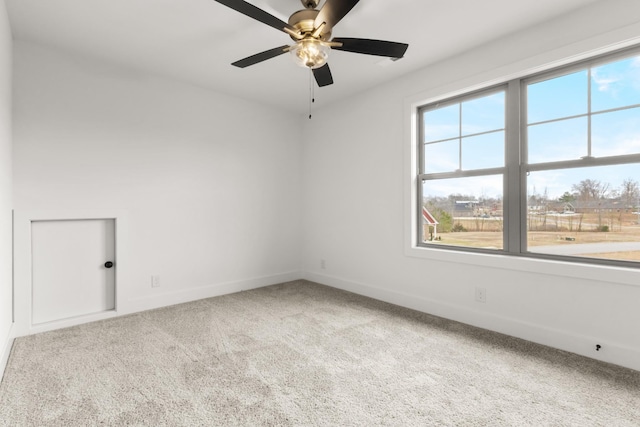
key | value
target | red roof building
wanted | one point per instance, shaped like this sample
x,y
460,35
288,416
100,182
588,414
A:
x,y
429,221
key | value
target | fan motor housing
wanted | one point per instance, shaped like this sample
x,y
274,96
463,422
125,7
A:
x,y
304,21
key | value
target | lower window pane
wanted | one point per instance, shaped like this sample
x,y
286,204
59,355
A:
x,y
463,212
585,212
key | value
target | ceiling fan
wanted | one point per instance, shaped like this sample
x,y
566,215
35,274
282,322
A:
x,y
310,29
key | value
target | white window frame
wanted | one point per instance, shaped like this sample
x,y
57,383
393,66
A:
x,y
500,170
512,257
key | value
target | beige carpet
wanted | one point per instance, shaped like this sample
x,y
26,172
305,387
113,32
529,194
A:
x,y
304,354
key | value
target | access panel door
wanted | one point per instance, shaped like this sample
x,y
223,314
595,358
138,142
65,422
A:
x,y
73,268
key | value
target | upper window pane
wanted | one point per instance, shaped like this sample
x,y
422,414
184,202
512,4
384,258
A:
x,y
442,123
616,133
467,135
442,156
483,151
616,84
556,141
483,114
556,98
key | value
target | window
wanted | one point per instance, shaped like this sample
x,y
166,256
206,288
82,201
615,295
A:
x,y
462,170
544,166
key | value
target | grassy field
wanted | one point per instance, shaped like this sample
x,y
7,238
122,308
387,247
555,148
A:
x,y
621,256
553,230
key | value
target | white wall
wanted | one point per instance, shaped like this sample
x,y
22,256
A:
x,y
357,206
5,187
212,188
209,184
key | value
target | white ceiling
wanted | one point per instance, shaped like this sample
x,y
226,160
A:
x,y
197,40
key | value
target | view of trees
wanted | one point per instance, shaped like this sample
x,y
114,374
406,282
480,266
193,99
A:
x,y
589,196
444,209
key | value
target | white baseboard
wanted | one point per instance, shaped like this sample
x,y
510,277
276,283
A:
x,y
164,300
188,295
5,351
583,345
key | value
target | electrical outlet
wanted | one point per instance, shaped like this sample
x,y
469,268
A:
x,y
481,294
323,264
155,281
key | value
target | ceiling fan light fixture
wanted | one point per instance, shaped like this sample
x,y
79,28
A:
x,y
310,53
310,29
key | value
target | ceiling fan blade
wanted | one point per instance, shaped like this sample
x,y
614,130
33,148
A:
x,y
333,11
372,47
323,75
262,56
256,13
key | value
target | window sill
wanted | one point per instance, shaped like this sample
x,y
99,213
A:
x,y
526,264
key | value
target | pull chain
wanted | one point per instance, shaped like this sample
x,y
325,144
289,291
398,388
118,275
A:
x,y
312,98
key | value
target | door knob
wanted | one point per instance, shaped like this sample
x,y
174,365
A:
x,y
108,264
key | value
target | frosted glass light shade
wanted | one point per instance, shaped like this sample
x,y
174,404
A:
x,y
310,53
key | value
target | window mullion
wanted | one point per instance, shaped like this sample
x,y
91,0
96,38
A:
x,y
513,186
460,138
420,133
419,225
589,155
